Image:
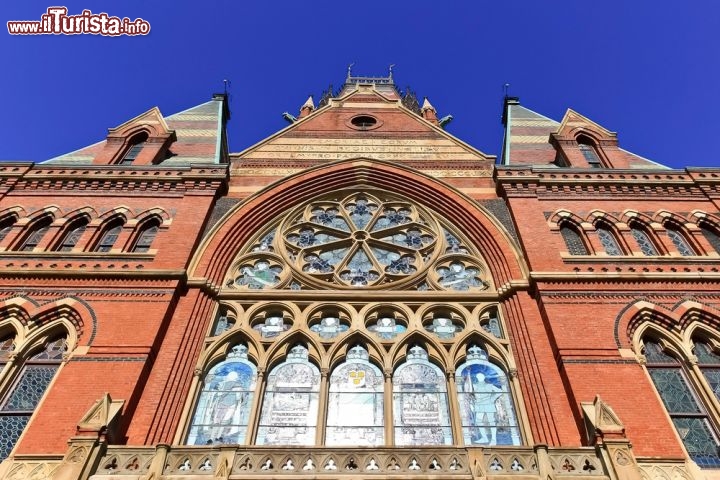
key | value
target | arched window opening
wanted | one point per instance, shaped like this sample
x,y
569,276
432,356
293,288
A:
x,y
589,151
608,241
7,347
643,241
27,391
6,226
36,234
678,239
223,409
290,406
681,402
109,237
420,402
709,364
711,236
573,241
146,237
136,145
486,406
356,386
223,323
72,235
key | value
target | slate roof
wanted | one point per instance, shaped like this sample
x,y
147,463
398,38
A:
x,y
199,138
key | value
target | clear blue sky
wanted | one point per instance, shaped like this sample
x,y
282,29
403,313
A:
x,y
649,70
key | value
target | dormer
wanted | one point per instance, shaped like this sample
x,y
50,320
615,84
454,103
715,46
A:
x,y
143,140
582,143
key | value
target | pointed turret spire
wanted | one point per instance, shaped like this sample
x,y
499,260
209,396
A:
x,y
428,112
307,107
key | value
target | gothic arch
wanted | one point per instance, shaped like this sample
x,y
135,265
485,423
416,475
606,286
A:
x,y
633,315
219,249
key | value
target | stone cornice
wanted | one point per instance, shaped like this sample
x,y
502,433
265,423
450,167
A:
x,y
518,181
112,179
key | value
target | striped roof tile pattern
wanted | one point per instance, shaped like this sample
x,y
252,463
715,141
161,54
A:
x,y
528,138
199,138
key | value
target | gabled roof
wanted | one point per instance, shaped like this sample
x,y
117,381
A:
x,y
199,132
395,136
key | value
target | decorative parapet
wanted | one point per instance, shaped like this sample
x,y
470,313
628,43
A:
x,y
223,462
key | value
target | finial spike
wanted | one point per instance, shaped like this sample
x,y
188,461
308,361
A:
x,y
349,70
226,83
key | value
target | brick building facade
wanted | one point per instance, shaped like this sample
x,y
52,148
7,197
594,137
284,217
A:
x,y
360,294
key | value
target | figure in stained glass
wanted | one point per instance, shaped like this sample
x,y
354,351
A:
x,y
223,409
273,326
457,276
259,276
443,327
487,412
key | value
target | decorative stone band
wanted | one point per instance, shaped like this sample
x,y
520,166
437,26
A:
x,y
226,461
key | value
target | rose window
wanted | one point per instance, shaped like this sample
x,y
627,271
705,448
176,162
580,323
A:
x,y
360,241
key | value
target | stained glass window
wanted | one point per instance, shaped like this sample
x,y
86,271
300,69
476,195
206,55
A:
x,y
679,241
608,241
682,404
387,328
420,402
146,237
460,277
290,405
711,236
223,410
109,237
274,325
443,327
223,323
486,407
491,324
356,386
27,391
329,327
709,363
643,242
72,236
259,275
36,235
360,241
573,241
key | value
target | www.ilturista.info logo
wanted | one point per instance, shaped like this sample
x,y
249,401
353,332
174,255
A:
x,y
57,22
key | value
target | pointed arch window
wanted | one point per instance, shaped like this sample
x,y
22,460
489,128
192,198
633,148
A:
x,y
643,241
356,386
36,234
608,241
109,237
709,364
682,403
6,226
223,409
19,403
137,143
290,405
72,235
146,236
420,402
486,406
711,235
573,241
678,239
7,347
589,151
